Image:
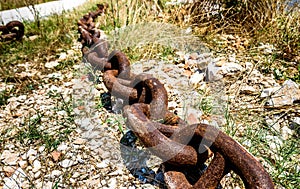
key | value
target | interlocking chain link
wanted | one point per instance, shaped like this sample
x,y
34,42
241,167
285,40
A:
x,y
179,145
12,30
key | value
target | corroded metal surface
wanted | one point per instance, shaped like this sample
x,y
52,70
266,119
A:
x,y
179,145
12,30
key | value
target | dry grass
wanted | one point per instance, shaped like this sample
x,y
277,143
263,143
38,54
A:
x,y
232,16
124,13
284,32
268,21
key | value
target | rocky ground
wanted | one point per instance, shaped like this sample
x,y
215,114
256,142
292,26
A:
x,y
61,135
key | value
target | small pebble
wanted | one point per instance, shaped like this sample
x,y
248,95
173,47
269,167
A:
x,y
67,163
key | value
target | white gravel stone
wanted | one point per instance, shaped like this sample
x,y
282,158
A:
x,y
79,141
274,142
103,182
73,181
76,175
54,89
62,147
23,164
67,163
31,152
39,184
31,159
37,174
41,148
112,183
62,113
286,132
62,56
80,160
248,90
172,105
9,169
296,120
51,64
231,68
22,98
249,66
49,185
55,173
9,158
196,78
287,94
36,166
116,172
103,164
213,72
269,91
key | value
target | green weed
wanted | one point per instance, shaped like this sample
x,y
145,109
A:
x,y
117,121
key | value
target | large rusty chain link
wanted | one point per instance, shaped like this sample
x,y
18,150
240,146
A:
x,y
170,138
12,30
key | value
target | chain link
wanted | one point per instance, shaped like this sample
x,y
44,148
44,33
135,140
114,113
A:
x,y
12,30
179,145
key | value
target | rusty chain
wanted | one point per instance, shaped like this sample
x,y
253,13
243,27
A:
x,y
179,145
12,30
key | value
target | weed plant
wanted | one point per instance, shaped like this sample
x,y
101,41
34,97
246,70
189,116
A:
x,y
267,21
43,41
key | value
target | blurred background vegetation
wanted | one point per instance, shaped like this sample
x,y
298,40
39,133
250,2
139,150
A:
x,y
270,22
12,4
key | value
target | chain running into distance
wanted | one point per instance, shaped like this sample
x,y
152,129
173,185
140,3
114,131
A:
x,y
172,140
12,30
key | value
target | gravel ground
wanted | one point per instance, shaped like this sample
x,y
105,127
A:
x,y
61,135
67,106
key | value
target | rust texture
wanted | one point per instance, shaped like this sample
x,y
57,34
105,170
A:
x,y
179,145
169,150
246,165
86,27
12,30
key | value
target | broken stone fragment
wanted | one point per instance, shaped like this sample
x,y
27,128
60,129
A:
x,y
287,94
9,158
249,90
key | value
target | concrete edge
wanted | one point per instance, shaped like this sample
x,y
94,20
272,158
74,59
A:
x,y
43,10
